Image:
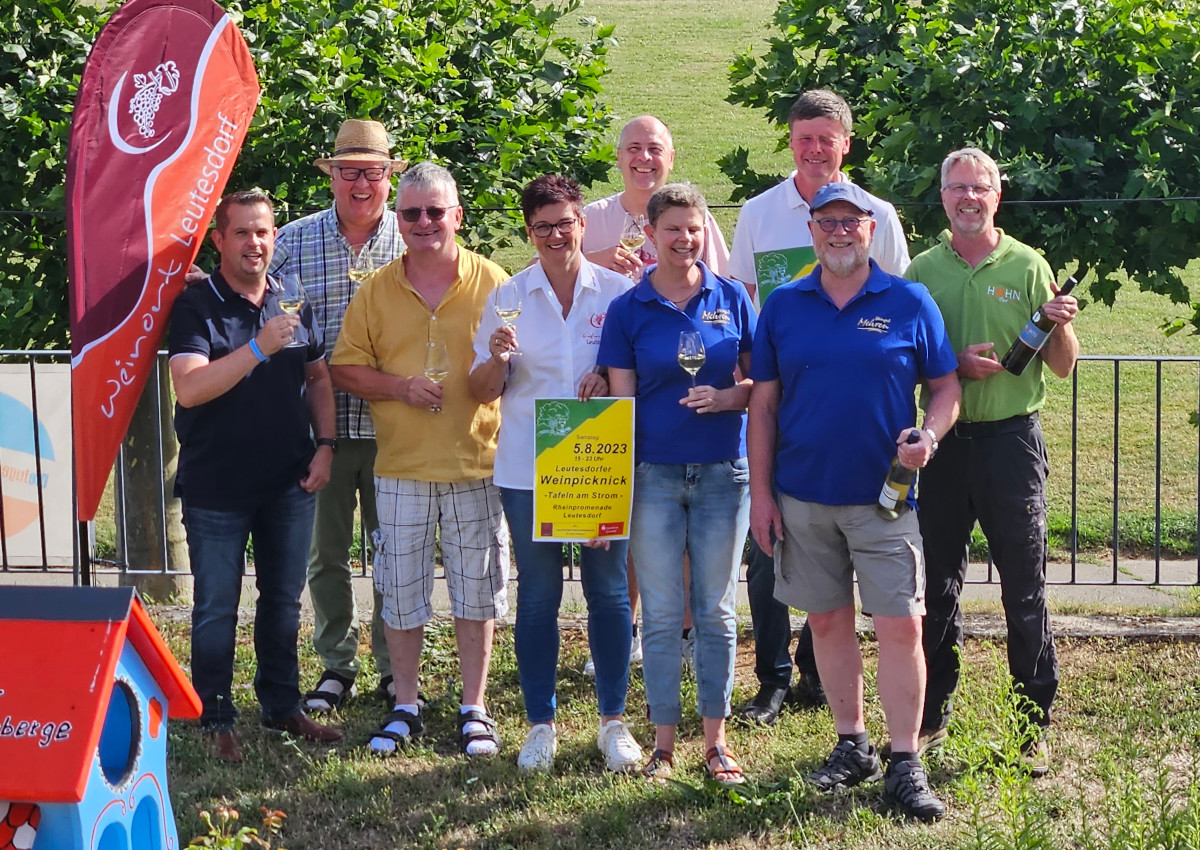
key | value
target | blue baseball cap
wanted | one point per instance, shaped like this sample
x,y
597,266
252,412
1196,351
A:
x,y
843,190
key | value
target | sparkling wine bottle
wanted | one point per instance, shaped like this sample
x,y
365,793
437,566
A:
x,y
894,495
1033,338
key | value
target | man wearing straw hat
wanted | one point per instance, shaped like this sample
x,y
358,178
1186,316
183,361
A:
x,y
324,250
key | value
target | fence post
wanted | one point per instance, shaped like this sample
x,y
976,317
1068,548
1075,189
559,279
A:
x,y
155,554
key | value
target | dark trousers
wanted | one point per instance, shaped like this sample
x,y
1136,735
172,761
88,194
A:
x,y
281,527
772,626
995,473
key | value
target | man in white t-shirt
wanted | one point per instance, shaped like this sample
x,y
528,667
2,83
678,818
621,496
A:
x,y
645,155
772,245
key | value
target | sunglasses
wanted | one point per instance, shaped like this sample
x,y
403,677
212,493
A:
x,y
413,214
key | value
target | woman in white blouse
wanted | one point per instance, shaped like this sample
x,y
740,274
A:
x,y
549,351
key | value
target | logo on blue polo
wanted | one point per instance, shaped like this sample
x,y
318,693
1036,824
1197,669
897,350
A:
x,y
878,325
719,316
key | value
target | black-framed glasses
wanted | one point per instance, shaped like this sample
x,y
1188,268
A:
x,y
544,228
413,214
850,225
374,173
959,190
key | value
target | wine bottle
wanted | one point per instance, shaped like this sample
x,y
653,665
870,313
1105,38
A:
x,y
893,498
1033,338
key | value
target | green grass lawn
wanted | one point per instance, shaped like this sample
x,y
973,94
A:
x,y
1126,739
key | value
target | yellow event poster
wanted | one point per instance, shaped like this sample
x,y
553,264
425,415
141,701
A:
x,y
584,469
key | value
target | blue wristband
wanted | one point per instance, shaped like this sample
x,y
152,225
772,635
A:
x,y
257,352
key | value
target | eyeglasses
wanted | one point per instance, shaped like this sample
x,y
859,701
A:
x,y
850,225
374,174
413,214
959,190
544,228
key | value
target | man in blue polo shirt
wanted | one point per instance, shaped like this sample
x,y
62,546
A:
x,y
837,357
248,467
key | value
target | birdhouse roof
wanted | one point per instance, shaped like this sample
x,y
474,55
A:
x,y
59,648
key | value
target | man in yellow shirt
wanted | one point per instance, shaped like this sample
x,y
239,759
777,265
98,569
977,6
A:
x,y
436,446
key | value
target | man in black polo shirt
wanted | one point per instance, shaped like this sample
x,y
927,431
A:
x,y
247,467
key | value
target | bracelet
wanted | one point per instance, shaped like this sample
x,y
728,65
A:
x,y
257,352
933,439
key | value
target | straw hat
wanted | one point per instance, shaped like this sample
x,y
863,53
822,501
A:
x,y
361,141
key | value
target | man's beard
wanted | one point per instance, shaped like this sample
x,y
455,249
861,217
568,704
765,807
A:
x,y
844,264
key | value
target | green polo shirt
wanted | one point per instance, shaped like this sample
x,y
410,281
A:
x,y
989,303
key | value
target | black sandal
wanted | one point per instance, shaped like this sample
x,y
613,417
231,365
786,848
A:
x,y
333,701
488,733
415,730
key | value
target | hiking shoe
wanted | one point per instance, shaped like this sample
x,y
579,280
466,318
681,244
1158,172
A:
x,y
1035,757
929,739
537,753
621,752
846,767
765,707
808,692
906,789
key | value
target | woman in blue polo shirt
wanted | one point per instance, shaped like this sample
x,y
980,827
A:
x,y
564,299
691,485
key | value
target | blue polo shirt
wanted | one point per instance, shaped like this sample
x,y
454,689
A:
x,y
847,380
641,332
254,439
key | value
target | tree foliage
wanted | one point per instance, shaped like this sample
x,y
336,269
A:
x,y
1091,107
485,87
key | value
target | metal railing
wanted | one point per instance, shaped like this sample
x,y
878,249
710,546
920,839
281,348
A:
x,y
1171,372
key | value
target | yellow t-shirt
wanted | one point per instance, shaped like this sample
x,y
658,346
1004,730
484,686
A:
x,y
387,327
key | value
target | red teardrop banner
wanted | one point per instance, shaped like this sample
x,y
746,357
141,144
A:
x,y
167,95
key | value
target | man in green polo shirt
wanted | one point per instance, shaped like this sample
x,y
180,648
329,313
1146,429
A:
x,y
992,466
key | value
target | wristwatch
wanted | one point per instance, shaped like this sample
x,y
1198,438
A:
x,y
933,438
333,444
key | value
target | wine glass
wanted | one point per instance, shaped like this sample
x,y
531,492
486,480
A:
x,y
361,263
691,353
633,235
437,365
508,305
289,299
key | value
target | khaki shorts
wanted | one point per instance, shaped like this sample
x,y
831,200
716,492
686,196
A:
x,y
825,546
475,550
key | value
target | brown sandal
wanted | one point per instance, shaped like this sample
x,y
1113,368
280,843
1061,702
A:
x,y
659,768
728,772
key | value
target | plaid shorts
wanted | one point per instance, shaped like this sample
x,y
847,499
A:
x,y
475,549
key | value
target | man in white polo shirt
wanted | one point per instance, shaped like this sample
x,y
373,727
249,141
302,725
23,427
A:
x,y
771,246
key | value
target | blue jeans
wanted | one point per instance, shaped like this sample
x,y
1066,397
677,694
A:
x,y
281,526
705,509
539,594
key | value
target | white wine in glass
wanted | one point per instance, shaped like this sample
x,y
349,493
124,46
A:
x,y
361,263
633,236
437,365
508,304
290,299
691,353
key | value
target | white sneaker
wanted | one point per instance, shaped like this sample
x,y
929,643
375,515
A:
x,y
621,752
537,753
635,657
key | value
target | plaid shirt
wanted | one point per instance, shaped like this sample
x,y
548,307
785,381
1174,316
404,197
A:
x,y
315,249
